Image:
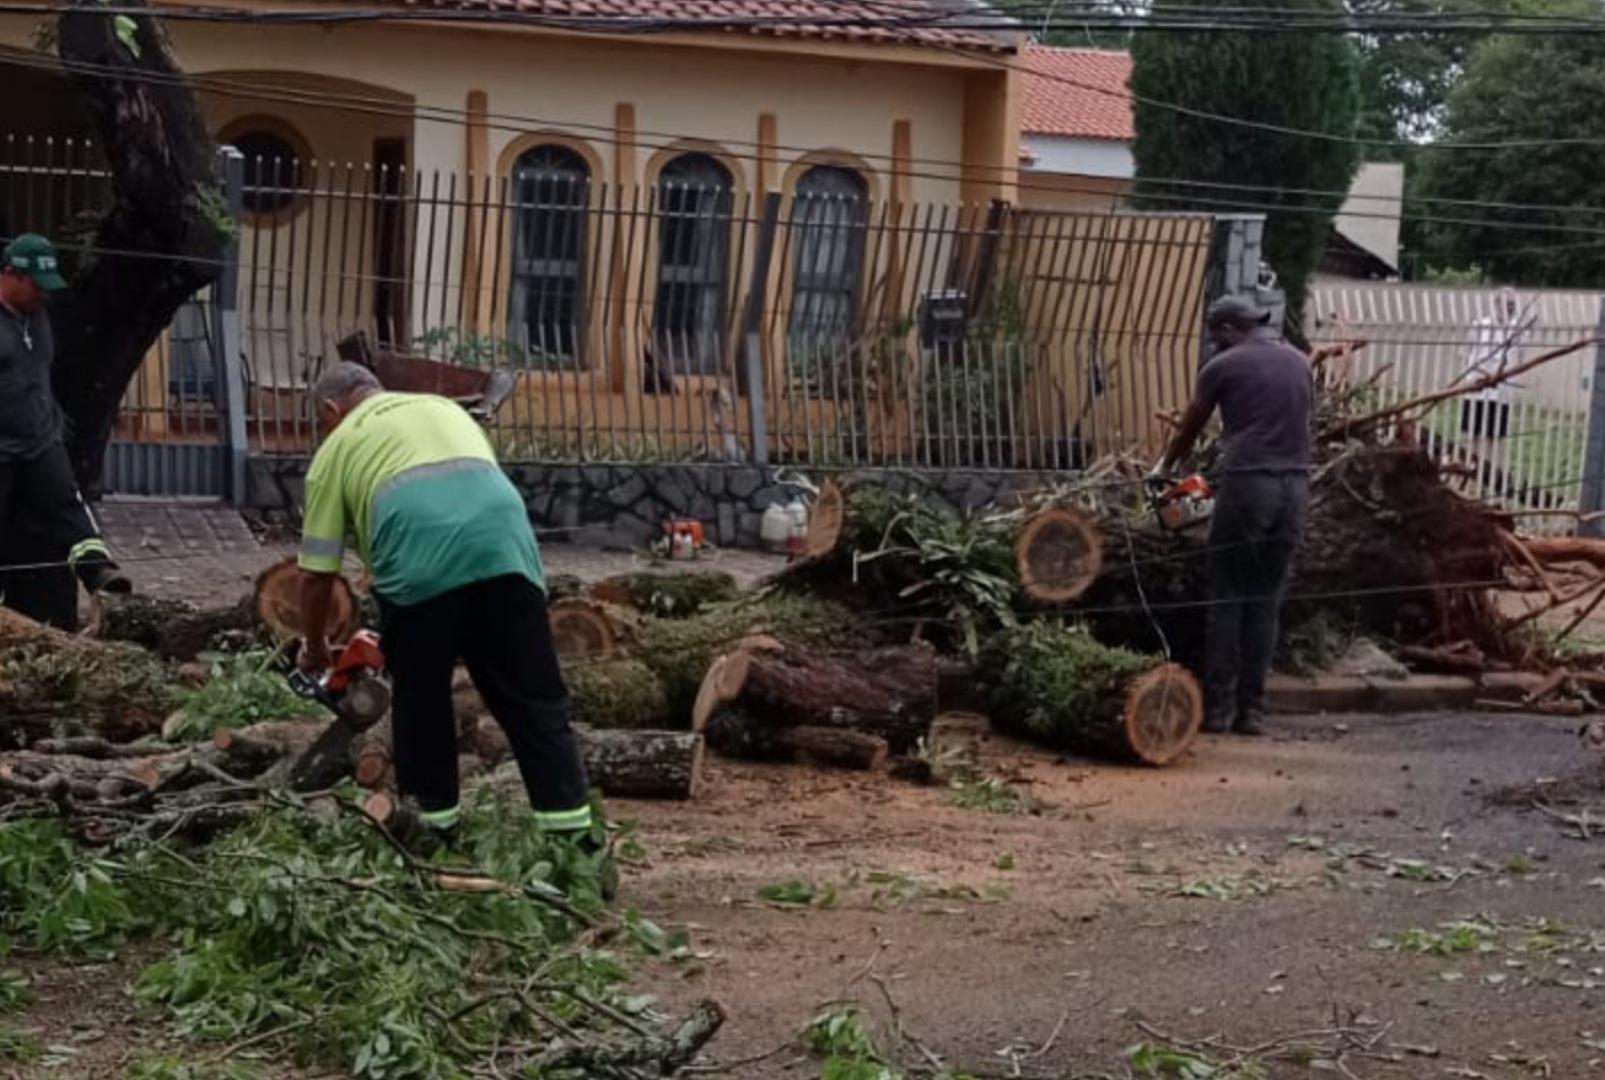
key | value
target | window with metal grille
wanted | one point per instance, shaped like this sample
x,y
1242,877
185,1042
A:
x,y
829,218
551,188
694,208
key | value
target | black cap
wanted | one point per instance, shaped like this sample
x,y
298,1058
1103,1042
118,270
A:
x,y
1237,309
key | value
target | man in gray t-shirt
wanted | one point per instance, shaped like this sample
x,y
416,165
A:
x,y
1266,396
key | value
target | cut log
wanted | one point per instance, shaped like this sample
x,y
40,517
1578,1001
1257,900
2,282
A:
x,y
642,764
887,692
1058,555
277,601
53,681
175,630
582,629
721,686
827,519
1059,685
739,734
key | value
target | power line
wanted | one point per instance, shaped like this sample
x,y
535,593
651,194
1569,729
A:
x,y
517,124
896,19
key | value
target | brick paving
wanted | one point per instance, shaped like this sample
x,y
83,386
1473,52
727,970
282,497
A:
x,y
205,553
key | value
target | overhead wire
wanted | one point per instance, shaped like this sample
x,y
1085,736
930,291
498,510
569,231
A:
x,y
522,124
603,26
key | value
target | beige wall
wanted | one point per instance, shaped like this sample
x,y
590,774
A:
x,y
1061,191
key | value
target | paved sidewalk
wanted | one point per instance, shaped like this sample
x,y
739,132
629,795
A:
x,y
206,554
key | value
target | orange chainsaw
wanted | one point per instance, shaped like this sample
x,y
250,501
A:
x,y
1180,504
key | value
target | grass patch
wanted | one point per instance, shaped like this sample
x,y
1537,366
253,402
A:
x,y
990,795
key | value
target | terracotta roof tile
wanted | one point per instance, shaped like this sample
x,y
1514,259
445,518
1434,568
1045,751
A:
x,y
1070,103
940,23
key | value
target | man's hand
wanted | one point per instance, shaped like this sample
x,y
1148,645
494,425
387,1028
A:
x,y
315,657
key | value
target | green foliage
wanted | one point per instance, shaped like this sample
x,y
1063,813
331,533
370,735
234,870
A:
x,y
1149,1060
165,1067
839,1031
13,990
19,1048
990,795
466,348
53,897
1048,679
957,569
1476,935
1304,81
798,893
317,933
1501,97
242,690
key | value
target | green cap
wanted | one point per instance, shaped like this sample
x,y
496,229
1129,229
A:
x,y
35,256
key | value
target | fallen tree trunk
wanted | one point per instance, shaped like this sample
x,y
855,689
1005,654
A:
x,y
889,693
737,733
642,764
57,683
174,630
1058,685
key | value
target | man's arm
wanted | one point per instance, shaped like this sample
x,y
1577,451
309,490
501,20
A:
x,y
323,530
1187,432
317,596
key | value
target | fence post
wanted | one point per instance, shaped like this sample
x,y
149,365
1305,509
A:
x,y
226,335
1591,500
752,326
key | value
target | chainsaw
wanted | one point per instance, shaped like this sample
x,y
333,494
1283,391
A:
x,y
356,690
1180,504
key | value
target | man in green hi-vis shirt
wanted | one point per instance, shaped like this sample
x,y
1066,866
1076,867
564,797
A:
x,y
455,568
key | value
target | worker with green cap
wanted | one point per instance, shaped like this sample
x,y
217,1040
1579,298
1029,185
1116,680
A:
x,y
36,478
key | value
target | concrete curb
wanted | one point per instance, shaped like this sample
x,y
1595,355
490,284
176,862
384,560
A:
x,y
1414,693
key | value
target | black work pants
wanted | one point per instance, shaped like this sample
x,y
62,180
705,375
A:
x,y
42,492
499,628
1257,523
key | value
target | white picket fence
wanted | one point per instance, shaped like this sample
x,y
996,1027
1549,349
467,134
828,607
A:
x,y
1420,338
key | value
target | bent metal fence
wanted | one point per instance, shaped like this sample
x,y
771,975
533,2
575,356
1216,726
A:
x,y
690,322
676,322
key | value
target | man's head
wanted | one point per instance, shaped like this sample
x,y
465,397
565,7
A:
x,y
1232,320
1507,303
339,390
28,273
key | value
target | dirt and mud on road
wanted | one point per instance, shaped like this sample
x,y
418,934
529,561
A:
x,y
1374,885
1377,886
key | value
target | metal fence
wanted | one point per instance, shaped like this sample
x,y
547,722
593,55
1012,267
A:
x,y
681,322
687,321
1523,446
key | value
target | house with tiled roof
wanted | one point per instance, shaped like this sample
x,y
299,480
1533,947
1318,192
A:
x,y
616,101
1076,129
1076,132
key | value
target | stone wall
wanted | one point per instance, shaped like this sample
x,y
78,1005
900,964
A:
x,y
626,505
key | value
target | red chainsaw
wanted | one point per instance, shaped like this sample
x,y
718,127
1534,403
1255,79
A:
x,y
356,690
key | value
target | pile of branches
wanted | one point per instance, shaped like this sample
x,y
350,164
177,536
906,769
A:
x,y
307,933
290,921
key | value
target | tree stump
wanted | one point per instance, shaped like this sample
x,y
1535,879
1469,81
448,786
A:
x,y
277,600
1058,555
582,629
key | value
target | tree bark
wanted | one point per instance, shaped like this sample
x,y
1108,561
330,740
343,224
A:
x,y
642,764
739,734
158,242
54,680
889,692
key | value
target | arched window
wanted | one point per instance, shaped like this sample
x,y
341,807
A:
x,y
694,207
545,308
829,220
